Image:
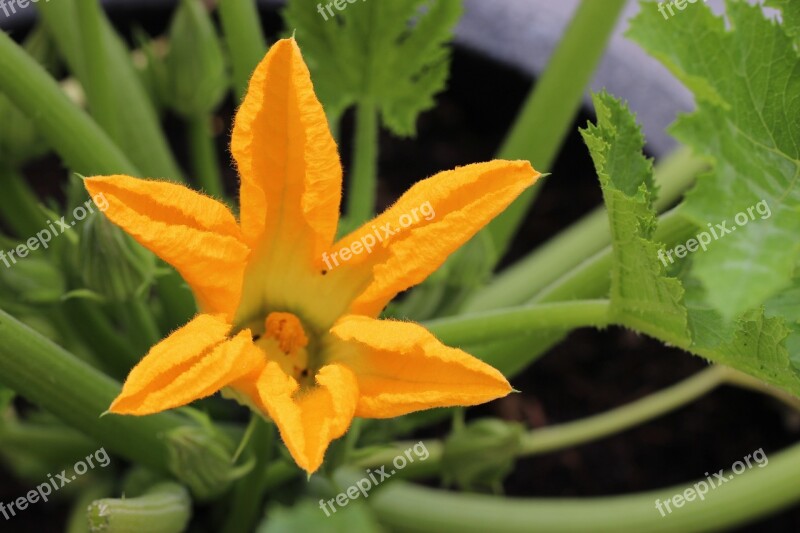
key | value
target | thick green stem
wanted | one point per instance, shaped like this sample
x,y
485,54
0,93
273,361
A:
x,y
363,183
249,491
19,205
82,144
53,443
136,128
580,241
165,508
504,323
246,43
755,493
205,162
57,381
550,110
98,83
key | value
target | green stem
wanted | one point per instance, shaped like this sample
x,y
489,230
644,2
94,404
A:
x,y
625,417
52,378
99,87
165,508
246,43
591,279
205,162
550,110
581,431
137,130
19,205
581,240
759,492
363,183
53,443
250,490
503,323
82,144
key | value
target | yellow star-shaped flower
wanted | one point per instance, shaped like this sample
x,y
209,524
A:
x,y
288,318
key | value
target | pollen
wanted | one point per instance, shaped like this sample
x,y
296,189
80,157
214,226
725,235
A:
x,y
287,330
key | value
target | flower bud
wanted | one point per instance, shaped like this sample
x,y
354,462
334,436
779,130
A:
x,y
112,264
197,77
481,454
203,461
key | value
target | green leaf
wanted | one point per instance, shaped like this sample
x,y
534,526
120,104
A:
x,y
791,17
393,53
641,295
644,297
787,305
745,82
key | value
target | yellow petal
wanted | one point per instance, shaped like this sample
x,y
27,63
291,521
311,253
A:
x,y
195,361
309,420
444,212
287,158
401,368
194,233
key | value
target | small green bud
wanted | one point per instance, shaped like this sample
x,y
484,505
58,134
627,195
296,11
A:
x,y
164,508
197,76
481,454
112,264
203,460
33,281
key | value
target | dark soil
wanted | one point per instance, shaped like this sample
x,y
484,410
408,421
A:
x,y
590,372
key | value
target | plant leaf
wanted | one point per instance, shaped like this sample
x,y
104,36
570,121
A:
x,y
746,83
392,53
672,309
641,295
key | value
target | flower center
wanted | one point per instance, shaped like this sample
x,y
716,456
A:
x,y
287,330
285,342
